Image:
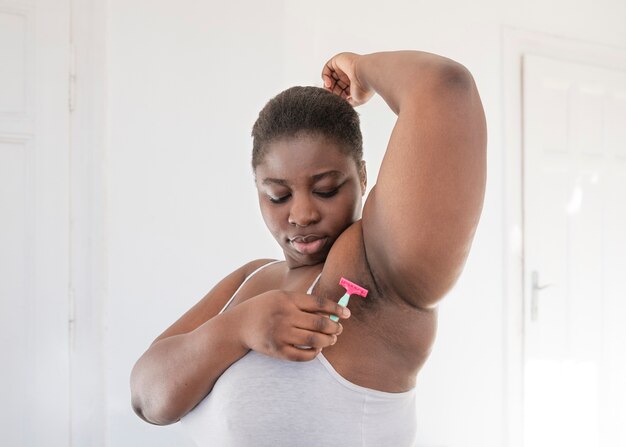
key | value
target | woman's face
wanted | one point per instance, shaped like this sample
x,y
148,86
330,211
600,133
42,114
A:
x,y
309,193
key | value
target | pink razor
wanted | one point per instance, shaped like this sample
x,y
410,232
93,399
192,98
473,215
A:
x,y
351,289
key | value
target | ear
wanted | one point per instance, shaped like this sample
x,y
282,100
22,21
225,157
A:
x,y
363,177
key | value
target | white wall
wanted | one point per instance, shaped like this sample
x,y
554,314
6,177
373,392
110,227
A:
x,y
185,85
185,82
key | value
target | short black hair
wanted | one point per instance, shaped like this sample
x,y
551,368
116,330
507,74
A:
x,y
307,110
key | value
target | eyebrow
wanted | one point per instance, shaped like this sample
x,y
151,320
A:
x,y
315,178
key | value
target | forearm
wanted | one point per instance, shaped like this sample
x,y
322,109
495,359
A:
x,y
404,76
176,373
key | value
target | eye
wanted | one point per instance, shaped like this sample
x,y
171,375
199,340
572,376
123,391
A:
x,y
282,199
327,194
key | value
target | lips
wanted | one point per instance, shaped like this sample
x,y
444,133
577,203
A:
x,y
308,244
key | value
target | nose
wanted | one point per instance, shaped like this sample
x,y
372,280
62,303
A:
x,y
303,212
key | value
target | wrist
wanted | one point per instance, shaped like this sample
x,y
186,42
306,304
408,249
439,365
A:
x,y
360,69
235,325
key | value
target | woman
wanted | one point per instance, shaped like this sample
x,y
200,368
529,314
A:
x,y
272,368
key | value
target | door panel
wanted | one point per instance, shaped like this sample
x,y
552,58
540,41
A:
x,y
34,224
574,254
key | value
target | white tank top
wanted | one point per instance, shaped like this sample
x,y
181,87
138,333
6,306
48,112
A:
x,y
263,401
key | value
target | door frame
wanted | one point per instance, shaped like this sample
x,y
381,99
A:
x,y
87,99
515,44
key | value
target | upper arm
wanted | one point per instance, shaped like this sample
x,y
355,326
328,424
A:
x,y
212,303
420,217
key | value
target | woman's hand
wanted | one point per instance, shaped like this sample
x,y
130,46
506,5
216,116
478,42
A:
x,y
275,323
340,77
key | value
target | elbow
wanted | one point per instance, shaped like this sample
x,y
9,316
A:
x,y
448,78
454,74
447,81
150,403
151,413
152,416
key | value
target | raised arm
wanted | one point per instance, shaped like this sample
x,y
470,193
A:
x,y
420,217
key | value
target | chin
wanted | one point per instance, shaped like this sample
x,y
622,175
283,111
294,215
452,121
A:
x,y
295,260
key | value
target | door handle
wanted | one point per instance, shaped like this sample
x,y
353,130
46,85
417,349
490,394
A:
x,y
534,295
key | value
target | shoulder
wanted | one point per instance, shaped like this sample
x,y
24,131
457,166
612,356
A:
x,y
256,264
238,276
210,305
229,284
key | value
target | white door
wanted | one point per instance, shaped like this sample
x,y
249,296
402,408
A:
x,y
34,223
574,132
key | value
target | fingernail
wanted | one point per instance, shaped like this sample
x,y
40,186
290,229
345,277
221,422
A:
x,y
345,312
334,340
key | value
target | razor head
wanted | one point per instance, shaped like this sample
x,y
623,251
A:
x,y
352,288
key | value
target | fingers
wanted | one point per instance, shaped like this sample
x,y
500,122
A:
x,y
327,76
298,354
316,303
318,323
335,80
340,77
301,345
304,339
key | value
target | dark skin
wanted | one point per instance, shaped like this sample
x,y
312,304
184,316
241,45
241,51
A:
x,y
407,249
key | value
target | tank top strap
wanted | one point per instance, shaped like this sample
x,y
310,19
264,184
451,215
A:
x,y
244,281
314,283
